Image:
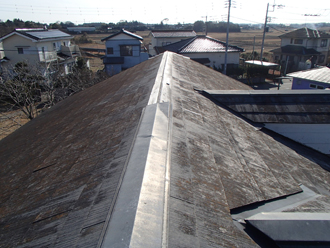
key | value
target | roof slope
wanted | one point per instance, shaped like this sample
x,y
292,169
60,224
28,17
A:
x,y
68,162
305,33
295,49
39,34
285,106
66,174
199,44
173,33
321,74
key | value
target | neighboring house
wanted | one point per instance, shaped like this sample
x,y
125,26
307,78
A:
x,y
302,48
123,50
166,37
205,50
45,47
316,78
149,158
301,115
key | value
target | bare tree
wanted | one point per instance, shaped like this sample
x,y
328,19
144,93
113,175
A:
x,y
32,89
20,89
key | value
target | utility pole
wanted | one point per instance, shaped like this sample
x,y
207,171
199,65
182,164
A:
x,y
226,54
206,23
263,37
279,6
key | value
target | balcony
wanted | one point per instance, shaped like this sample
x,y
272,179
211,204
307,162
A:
x,y
70,50
47,56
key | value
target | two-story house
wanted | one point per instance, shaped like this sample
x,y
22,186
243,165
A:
x,y
302,48
123,50
48,47
166,37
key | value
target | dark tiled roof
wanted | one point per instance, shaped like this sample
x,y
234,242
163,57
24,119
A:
x,y
123,31
65,174
200,44
321,75
292,49
305,33
286,106
173,33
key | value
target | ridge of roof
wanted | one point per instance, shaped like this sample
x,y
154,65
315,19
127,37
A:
x,y
123,31
305,33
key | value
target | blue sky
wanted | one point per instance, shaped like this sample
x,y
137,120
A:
x,y
252,11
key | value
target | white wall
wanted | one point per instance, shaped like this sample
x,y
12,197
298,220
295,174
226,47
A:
x,y
217,59
316,136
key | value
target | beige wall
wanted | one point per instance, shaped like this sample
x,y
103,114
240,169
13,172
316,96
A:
x,y
32,51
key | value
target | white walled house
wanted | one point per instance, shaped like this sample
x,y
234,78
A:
x,y
166,37
205,50
302,48
45,47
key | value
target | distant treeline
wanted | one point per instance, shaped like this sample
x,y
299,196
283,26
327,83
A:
x,y
215,27
198,26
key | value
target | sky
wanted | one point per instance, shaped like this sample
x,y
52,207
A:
x,y
170,11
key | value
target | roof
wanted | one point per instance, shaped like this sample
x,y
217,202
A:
x,y
123,31
321,74
146,159
173,33
39,34
261,63
306,33
285,106
293,49
199,44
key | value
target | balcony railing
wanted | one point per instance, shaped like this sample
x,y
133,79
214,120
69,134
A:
x,y
47,56
70,50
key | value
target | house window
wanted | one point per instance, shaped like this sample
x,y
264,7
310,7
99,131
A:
x,y
126,50
324,43
314,86
109,50
298,41
54,46
20,50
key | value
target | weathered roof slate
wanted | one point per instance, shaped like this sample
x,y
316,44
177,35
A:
x,y
285,106
199,44
64,174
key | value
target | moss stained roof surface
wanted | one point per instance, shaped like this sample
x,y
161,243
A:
x,y
63,174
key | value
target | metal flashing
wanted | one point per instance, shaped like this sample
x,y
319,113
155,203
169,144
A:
x,y
276,205
284,227
137,218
